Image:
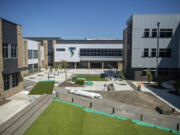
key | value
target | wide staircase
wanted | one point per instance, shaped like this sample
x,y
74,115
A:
x,y
20,122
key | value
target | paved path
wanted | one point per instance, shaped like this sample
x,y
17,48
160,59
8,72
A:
x,y
171,99
20,122
122,109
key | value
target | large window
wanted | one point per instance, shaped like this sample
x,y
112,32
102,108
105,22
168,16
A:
x,y
153,52
100,52
146,52
146,33
6,82
13,50
154,33
5,50
165,53
60,49
14,79
35,53
30,54
166,33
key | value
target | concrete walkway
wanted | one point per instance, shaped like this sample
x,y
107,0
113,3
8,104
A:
x,y
171,99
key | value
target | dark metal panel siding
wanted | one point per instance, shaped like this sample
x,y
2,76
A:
x,y
9,32
10,65
9,35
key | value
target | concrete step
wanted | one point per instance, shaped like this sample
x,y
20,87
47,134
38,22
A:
x,y
21,130
20,114
32,112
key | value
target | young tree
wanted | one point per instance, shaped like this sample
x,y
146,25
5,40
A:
x,y
46,67
32,69
149,76
50,69
121,73
64,64
39,68
55,66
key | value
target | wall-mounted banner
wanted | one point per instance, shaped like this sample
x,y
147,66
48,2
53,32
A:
x,y
72,49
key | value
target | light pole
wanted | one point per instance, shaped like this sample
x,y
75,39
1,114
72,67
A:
x,y
157,49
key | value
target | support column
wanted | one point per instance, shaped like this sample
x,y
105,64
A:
x,y
102,64
119,65
89,65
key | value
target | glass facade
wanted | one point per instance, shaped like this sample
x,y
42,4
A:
x,y
32,54
100,52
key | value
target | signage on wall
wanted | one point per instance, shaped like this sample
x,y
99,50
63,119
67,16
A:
x,y
72,49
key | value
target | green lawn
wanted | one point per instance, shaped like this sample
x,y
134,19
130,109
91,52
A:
x,y
42,88
91,77
64,119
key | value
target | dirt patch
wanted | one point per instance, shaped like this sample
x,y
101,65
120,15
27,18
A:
x,y
69,84
142,99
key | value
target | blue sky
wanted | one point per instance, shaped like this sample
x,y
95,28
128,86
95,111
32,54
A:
x,y
79,19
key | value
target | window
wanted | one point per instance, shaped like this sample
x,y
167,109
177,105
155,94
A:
x,y
13,50
6,82
168,52
30,54
35,67
165,53
146,52
165,33
14,79
5,50
35,54
60,49
154,33
146,33
153,53
100,52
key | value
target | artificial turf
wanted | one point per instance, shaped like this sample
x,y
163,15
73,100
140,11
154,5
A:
x,y
42,88
91,77
64,119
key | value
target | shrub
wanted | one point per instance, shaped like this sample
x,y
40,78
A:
x,y
39,67
51,69
32,69
80,82
55,67
149,76
121,73
177,86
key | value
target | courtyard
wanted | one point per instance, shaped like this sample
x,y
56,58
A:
x,y
126,100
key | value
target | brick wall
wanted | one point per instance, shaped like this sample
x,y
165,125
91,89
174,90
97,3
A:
x,y
25,56
20,46
45,44
53,46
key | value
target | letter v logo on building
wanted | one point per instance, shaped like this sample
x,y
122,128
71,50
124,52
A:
x,y
72,49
